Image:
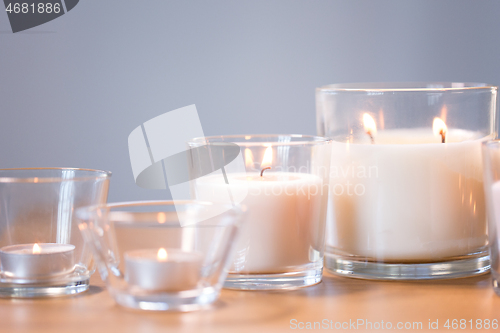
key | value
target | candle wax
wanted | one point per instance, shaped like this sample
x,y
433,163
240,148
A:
x,y
180,270
282,228
19,261
408,197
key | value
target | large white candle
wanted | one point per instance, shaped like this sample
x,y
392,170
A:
x,y
495,190
37,261
283,213
407,196
163,270
494,225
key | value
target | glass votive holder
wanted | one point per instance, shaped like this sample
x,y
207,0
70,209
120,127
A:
x,y
283,183
407,198
491,160
161,255
42,252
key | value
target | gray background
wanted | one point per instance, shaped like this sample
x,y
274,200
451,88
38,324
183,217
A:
x,y
73,89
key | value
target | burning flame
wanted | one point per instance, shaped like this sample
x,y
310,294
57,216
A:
x,y
439,128
162,217
36,249
370,126
248,158
267,160
162,254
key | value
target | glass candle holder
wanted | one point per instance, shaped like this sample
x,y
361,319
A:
x,y
42,252
283,183
407,196
149,260
491,160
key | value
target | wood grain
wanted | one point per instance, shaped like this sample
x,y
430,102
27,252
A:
x,y
336,299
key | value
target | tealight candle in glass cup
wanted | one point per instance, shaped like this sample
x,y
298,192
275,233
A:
x,y
31,261
285,182
162,255
42,253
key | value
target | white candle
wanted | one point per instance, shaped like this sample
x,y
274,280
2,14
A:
x,y
42,260
408,197
163,270
495,225
282,228
495,190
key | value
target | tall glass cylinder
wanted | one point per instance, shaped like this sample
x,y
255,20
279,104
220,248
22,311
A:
x,y
406,198
491,159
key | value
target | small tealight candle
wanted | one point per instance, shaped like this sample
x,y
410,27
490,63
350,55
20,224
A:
x,y
44,260
163,269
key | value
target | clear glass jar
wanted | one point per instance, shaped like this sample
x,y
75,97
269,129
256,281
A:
x,y
283,182
491,159
406,185
42,252
161,255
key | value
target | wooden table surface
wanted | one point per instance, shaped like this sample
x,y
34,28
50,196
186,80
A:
x,y
334,302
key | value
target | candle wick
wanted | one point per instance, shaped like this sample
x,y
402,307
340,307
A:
x,y
443,136
262,171
371,137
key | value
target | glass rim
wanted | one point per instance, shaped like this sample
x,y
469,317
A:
x,y
84,213
245,140
489,143
405,87
45,179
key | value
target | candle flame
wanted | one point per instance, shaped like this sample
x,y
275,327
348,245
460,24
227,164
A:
x,y
267,160
162,217
36,249
248,158
370,126
439,128
162,254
